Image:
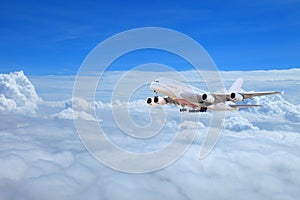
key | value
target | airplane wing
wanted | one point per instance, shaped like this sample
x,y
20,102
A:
x,y
242,95
196,100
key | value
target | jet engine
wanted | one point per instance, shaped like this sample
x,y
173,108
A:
x,y
236,97
159,100
208,98
150,102
155,101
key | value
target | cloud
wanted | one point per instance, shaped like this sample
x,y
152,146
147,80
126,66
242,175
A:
x,y
277,105
191,125
17,93
239,124
42,157
75,108
69,113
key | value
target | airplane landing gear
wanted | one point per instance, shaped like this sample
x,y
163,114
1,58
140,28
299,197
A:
x,y
202,109
183,109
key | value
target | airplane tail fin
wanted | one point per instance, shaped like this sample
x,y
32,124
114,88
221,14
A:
x,y
236,86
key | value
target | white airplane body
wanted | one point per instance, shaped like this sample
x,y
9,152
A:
x,y
181,94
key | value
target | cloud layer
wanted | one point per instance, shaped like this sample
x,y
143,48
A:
x,y
41,156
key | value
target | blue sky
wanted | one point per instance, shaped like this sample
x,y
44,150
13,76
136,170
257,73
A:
x,y
53,37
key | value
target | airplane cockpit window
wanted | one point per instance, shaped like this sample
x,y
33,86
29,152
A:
x,y
156,81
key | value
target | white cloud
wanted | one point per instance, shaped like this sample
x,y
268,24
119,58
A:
x,y
191,125
277,105
69,113
7,104
17,93
41,156
239,124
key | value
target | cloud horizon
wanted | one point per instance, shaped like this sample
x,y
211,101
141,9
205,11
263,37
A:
x,y
41,156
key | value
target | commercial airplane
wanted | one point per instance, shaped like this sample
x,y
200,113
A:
x,y
181,94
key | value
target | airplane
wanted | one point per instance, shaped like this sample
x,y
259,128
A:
x,y
183,95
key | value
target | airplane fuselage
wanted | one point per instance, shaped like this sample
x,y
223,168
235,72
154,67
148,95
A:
x,y
180,92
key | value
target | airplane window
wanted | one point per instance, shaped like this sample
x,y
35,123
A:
x,y
156,81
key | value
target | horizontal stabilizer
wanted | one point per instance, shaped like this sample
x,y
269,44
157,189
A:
x,y
237,106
